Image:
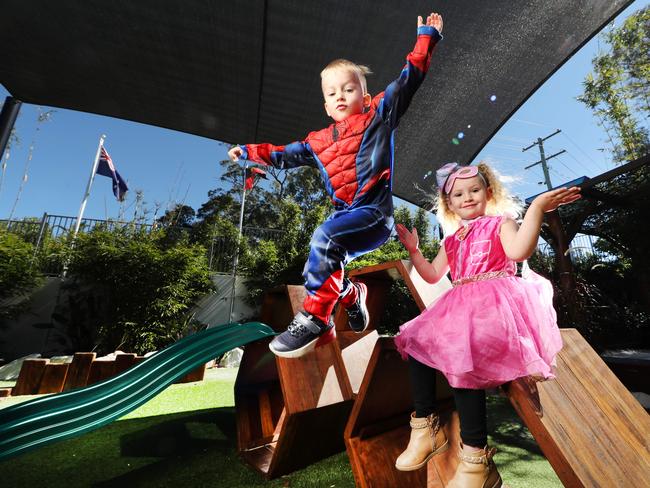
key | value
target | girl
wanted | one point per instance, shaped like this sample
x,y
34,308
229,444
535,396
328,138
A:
x,y
490,328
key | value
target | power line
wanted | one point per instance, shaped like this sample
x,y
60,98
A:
x,y
588,158
579,162
521,121
510,139
505,146
506,157
562,176
571,170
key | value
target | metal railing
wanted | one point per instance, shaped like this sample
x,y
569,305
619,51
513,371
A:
x,y
35,231
581,247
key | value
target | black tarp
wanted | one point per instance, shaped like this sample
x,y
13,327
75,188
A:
x,y
248,70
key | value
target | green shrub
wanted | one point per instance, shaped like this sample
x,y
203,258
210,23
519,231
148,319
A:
x,y
18,272
132,291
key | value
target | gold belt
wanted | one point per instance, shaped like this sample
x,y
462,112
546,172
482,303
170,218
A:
x,y
481,277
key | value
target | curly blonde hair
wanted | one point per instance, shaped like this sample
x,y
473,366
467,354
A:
x,y
501,201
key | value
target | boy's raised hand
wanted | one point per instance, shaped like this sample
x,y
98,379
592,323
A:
x,y
551,200
433,20
410,240
235,153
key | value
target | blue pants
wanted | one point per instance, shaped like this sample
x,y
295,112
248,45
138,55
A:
x,y
344,236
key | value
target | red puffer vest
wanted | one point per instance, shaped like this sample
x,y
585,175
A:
x,y
337,146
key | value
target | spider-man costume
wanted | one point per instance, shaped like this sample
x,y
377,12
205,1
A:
x,y
355,160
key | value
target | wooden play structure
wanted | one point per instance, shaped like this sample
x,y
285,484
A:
x,y
38,376
356,390
354,393
588,425
292,412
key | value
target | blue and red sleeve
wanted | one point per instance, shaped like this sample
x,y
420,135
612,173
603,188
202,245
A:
x,y
399,93
281,157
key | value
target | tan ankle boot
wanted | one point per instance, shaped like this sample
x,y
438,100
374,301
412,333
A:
x,y
476,471
427,440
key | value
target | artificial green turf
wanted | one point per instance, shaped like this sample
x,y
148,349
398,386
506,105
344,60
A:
x,y
185,437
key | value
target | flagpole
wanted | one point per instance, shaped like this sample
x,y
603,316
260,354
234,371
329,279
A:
x,y
235,260
90,183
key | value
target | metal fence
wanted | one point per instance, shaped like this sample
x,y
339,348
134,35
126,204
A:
x,y
581,247
35,231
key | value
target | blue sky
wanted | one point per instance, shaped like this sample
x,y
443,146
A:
x,y
169,166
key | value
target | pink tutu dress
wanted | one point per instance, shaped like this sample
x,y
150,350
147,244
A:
x,y
492,326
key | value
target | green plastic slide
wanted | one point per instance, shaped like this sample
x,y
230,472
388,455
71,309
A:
x,y
44,420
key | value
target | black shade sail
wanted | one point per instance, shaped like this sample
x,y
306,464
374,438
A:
x,y
248,70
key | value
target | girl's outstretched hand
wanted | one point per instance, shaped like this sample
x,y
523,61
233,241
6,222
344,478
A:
x,y
553,199
410,240
433,20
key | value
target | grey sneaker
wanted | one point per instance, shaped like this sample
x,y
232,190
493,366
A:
x,y
300,337
358,317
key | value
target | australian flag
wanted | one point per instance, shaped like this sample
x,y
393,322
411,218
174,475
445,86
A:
x,y
106,168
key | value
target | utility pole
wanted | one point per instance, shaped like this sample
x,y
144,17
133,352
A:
x,y
543,158
560,241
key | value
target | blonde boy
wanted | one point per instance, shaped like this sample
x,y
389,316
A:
x,y
354,156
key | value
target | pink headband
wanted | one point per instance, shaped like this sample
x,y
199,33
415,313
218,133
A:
x,y
447,175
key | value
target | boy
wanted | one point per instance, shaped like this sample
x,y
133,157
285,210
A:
x,y
355,158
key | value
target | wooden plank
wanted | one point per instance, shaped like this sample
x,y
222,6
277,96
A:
x,y
356,357
606,391
29,378
378,285
281,304
123,362
5,392
249,429
53,378
373,460
196,375
422,292
378,429
79,370
527,405
290,412
314,380
100,370
348,337
386,372
266,413
309,436
590,428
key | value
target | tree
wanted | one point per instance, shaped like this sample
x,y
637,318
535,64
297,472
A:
x,y
403,216
422,224
179,215
131,290
618,94
617,91
18,272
